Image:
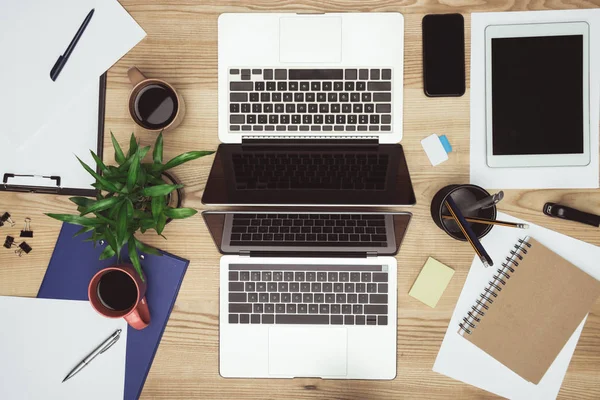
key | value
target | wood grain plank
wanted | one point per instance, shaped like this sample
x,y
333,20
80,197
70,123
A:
x,y
181,47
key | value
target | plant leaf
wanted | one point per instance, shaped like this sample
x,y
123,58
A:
x,y
147,223
133,146
119,156
112,242
132,177
134,257
107,253
160,225
143,151
83,230
101,205
147,249
157,154
158,205
185,157
84,202
159,190
129,206
122,225
99,162
102,181
75,219
179,213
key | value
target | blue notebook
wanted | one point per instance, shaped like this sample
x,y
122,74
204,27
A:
x,y
72,266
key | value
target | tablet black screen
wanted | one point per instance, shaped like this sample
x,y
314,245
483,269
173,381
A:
x,y
537,95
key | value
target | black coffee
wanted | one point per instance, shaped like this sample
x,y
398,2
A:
x,y
117,291
155,106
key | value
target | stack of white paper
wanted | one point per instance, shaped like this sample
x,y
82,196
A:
x,y
460,359
42,340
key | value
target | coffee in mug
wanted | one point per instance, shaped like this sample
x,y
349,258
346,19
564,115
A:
x,y
153,103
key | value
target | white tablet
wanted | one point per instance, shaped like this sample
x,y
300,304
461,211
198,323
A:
x,y
537,95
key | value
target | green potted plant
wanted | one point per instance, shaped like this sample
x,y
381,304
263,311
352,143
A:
x,y
131,196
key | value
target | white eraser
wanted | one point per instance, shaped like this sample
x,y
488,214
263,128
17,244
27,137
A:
x,y
434,149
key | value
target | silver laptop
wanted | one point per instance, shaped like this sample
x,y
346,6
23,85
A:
x,y
310,111
307,294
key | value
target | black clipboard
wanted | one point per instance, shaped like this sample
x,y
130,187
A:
x,y
55,186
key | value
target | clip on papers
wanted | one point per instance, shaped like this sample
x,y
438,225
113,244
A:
x,y
27,232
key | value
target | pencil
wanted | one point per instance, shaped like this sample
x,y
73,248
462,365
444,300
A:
x,y
485,221
466,229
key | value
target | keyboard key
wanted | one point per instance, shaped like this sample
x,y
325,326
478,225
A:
x,y
233,275
294,287
263,297
365,277
357,309
376,309
319,298
305,287
340,298
383,108
375,74
382,97
270,308
379,86
348,319
359,319
240,308
338,86
274,297
286,297
382,320
233,318
307,298
338,287
371,288
238,97
349,288
255,319
315,287
327,287
280,308
382,288
236,287
363,298
255,276
244,276
380,276
386,74
302,308
347,309
355,277
335,308
257,308
329,298
332,276
261,286
302,319
291,309
244,318
371,320
337,320
234,71
252,297
351,74
316,74
313,308
363,74
268,319
378,299
237,297
288,276
280,74
344,276
324,309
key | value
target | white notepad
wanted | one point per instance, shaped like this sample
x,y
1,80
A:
x,y
460,359
41,340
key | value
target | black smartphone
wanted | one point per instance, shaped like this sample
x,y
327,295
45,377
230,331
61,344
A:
x,y
443,55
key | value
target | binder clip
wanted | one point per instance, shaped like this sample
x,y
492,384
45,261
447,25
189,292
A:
x,y
6,218
27,232
23,248
9,242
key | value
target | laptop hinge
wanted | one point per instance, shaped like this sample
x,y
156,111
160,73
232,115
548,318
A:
x,y
371,254
281,141
309,254
245,253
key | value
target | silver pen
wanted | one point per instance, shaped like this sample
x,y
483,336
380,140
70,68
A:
x,y
112,339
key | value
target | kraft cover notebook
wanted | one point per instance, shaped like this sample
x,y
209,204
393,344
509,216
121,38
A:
x,y
526,314
73,264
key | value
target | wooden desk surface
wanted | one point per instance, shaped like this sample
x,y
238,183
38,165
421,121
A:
x,y
181,47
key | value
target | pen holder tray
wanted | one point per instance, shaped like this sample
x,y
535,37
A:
x,y
463,196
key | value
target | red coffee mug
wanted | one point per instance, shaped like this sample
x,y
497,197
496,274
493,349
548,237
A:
x,y
138,315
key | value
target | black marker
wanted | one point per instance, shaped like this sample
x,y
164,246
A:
x,y
571,214
62,60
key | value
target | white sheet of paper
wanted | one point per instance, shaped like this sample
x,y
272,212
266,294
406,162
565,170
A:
x,y
41,340
535,177
460,359
77,128
33,34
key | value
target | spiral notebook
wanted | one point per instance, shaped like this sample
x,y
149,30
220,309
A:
x,y
461,359
526,314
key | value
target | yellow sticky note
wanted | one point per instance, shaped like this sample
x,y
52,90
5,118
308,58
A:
x,y
431,282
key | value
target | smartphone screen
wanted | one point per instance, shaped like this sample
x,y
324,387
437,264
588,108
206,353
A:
x,y
444,55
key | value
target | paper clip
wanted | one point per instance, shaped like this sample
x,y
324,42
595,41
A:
x,y
23,248
6,218
27,232
9,242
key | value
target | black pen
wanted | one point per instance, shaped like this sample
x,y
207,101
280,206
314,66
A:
x,y
465,228
62,60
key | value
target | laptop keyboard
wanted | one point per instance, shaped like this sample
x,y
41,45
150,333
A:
x,y
307,294
291,100
305,171
318,230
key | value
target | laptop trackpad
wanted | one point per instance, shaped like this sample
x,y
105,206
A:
x,y
307,351
314,39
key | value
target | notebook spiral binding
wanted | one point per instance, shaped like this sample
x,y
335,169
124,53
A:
x,y
486,299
